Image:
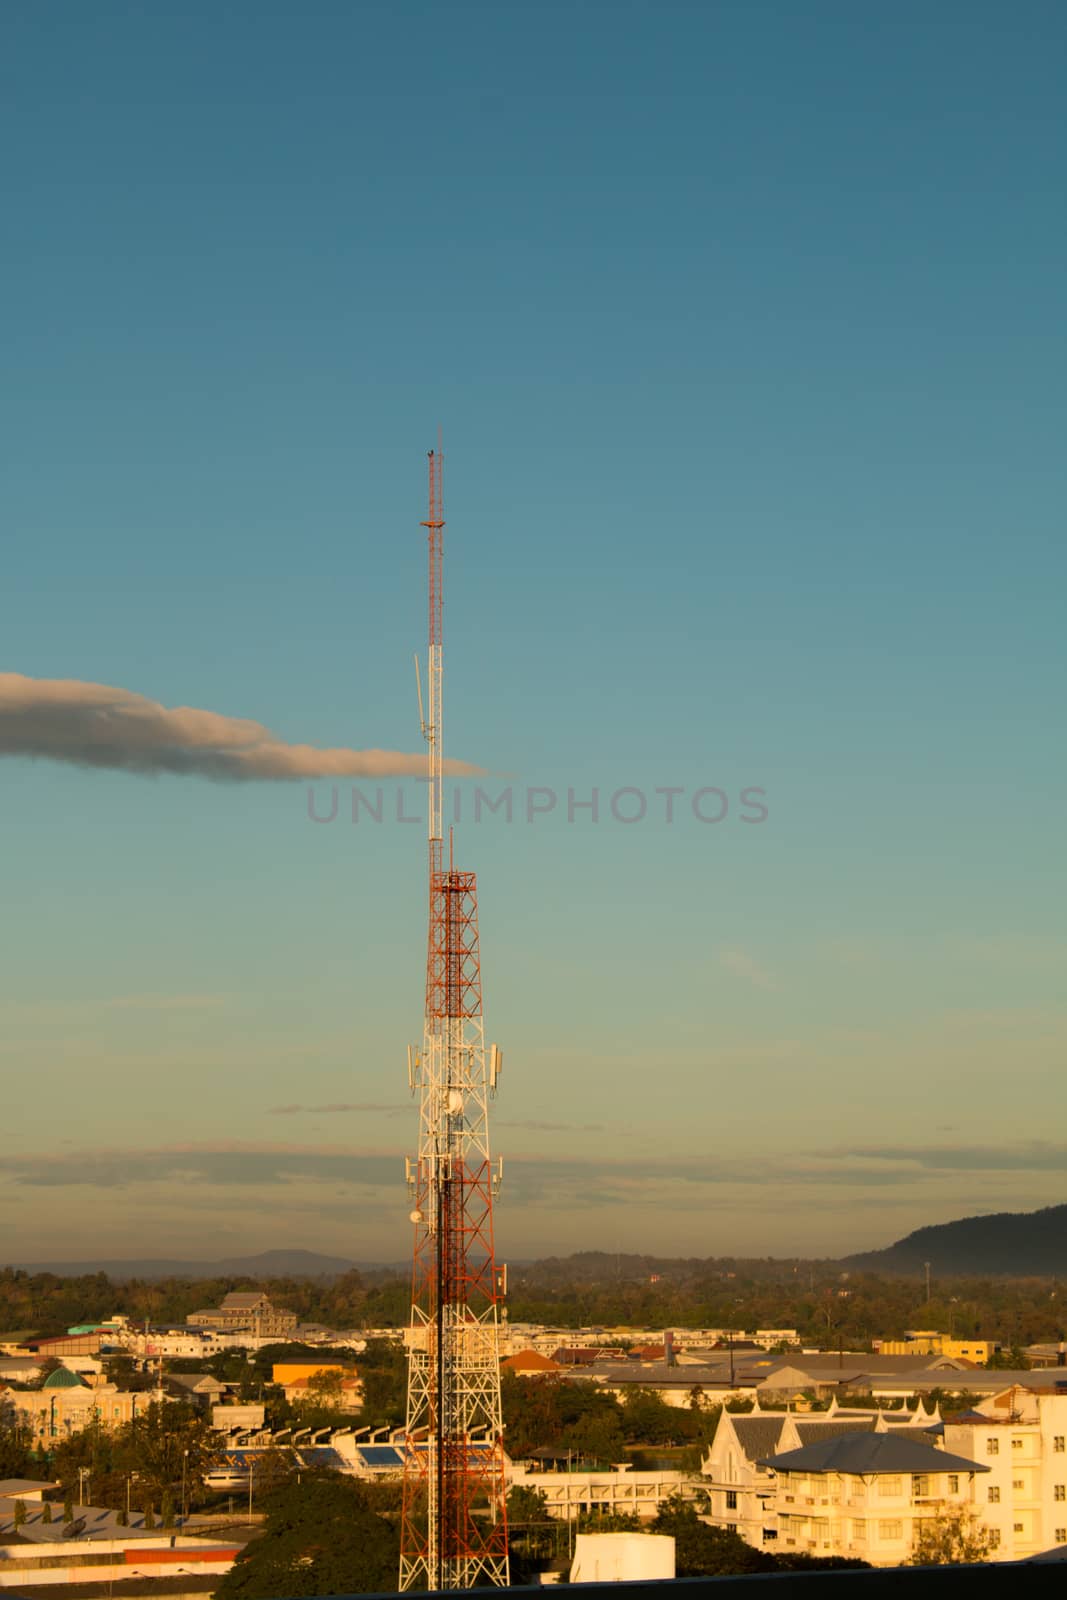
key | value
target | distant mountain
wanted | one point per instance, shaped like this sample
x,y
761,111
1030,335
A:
x,y
1019,1244
269,1264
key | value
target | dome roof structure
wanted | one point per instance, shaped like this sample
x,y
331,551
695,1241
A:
x,y
63,1378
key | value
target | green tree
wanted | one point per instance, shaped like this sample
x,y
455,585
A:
x,y
15,1446
322,1407
527,1507
165,1439
46,1514
383,1369
953,1538
273,1470
702,1551
321,1537
648,1419
326,1387
609,1522
20,1514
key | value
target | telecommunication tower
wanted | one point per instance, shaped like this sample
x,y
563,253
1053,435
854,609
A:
x,y
453,1530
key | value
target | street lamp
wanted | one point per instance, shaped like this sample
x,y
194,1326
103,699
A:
x,y
185,1463
83,1477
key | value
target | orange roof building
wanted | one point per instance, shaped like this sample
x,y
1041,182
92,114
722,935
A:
x,y
527,1364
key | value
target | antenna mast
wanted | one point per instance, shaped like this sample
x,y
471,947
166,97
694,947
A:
x,y
432,728
453,1529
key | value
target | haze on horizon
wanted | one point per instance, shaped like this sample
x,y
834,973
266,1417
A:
x,y
746,329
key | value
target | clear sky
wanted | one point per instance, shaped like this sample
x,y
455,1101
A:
x,y
745,325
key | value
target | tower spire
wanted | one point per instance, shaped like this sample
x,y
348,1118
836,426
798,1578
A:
x,y
453,1528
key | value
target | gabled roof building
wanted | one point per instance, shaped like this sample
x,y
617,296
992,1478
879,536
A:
x,y
741,1488
864,1495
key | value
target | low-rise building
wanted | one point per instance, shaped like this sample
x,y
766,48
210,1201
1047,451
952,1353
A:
x,y
21,1369
246,1311
238,1416
347,1396
66,1344
923,1342
1047,1355
618,1491
65,1404
31,1490
531,1364
201,1388
93,1549
854,1371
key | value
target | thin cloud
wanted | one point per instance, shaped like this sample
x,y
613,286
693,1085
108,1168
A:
x,y
741,964
551,1127
92,725
166,1002
340,1105
1035,1156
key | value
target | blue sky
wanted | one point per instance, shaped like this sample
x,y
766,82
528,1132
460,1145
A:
x,y
745,325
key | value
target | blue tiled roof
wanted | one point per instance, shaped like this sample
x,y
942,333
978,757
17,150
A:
x,y
381,1455
320,1456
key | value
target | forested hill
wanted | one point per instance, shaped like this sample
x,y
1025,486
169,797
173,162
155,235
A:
x,y
1019,1243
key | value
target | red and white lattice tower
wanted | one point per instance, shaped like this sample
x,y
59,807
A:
x,y
454,1532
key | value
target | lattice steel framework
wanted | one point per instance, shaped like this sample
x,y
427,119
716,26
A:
x,y
454,1531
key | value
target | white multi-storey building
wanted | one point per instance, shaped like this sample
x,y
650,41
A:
x,y
866,1495
1021,1437
741,1489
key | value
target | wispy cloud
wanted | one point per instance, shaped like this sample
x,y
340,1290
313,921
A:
x,y
166,1002
742,965
247,1163
531,1126
781,1202
1031,1156
92,725
363,1106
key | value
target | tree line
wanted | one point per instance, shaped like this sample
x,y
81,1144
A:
x,y
826,1305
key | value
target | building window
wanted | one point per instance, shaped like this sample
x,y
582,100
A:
x,y
1058,1492
1017,1527
994,1493
1016,1443
859,1528
920,1485
1016,1483
1061,1535
953,1483
890,1530
992,1447
1057,1444
994,1538
731,1499
888,1486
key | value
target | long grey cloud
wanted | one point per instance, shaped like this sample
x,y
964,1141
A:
x,y
549,1181
1038,1156
364,1106
93,725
